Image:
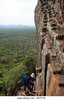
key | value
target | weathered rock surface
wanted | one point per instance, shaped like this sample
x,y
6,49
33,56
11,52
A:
x,y
49,20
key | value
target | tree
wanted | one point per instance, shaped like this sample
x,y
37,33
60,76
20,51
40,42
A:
x,y
30,63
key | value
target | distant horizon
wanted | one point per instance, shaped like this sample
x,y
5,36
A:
x,y
15,25
17,12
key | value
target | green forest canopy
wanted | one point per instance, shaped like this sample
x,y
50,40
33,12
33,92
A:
x,y
19,47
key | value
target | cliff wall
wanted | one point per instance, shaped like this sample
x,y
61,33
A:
x,y
49,20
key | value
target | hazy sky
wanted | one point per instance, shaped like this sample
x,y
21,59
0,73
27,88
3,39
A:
x,y
17,12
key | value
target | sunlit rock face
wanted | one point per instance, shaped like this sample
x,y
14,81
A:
x,y
49,21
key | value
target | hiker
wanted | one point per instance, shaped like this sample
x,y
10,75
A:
x,y
34,88
31,81
26,82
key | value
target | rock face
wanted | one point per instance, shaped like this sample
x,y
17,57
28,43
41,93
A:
x,y
49,20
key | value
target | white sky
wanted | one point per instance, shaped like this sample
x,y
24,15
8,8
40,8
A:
x,y
17,12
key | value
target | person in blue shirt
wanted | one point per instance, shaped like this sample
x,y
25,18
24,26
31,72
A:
x,y
26,81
